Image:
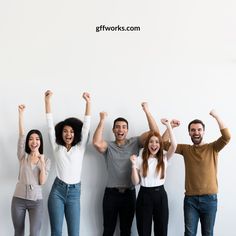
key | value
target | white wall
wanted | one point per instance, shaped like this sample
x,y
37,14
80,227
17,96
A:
x,y
182,62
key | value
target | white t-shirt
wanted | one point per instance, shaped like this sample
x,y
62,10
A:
x,y
69,163
153,178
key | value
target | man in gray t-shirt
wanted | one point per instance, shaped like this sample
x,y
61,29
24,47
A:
x,y
119,197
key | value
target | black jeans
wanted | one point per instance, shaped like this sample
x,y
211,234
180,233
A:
x,y
120,203
152,204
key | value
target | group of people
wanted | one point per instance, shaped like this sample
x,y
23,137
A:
x,y
126,169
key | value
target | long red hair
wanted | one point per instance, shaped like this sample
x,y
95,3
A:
x,y
160,168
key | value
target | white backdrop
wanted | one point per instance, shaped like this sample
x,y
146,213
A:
x,y
182,62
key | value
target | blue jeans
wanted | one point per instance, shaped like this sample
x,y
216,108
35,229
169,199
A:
x,y
64,199
201,207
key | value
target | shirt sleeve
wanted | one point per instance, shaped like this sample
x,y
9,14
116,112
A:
x,y
223,140
179,149
20,147
85,131
166,161
47,166
51,130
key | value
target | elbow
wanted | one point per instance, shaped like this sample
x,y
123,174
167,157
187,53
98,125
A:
x,y
96,144
95,141
174,146
225,134
42,182
100,145
227,139
135,181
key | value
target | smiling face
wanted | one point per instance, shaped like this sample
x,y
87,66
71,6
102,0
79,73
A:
x,y
196,132
34,142
153,145
120,131
68,135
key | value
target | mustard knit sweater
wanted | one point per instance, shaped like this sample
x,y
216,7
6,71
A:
x,y
201,165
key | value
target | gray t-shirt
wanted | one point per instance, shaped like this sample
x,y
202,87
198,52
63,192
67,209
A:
x,y
118,162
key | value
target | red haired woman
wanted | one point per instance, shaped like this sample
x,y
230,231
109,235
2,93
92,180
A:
x,y
149,170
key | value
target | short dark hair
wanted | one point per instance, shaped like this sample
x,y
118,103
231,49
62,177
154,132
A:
x,y
196,121
120,119
33,131
75,124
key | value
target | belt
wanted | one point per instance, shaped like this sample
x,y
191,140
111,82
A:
x,y
151,189
120,189
62,183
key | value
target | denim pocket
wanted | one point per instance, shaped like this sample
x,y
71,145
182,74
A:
x,y
211,197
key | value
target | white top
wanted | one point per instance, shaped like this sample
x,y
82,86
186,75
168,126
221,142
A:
x,y
153,178
69,163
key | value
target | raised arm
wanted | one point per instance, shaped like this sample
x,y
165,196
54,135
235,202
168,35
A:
x,y
21,140
51,131
220,122
86,121
21,109
173,145
134,173
99,143
174,123
87,98
151,122
225,134
47,98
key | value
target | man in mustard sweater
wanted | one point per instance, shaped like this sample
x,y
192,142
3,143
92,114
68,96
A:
x,y
201,184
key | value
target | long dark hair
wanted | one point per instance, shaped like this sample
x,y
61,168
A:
x,y
34,131
75,124
159,155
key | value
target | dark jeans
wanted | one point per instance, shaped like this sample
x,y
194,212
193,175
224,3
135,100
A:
x,y
19,207
152,204
120,203
64,199
201,207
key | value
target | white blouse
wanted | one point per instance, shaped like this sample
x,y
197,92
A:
x,y
69,163
153,178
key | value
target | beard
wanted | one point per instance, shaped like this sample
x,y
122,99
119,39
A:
x,y
196,141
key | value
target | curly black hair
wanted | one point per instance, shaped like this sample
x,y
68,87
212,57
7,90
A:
x,y
75,124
